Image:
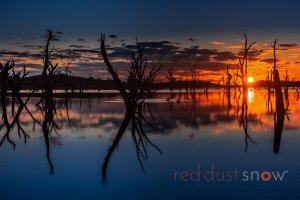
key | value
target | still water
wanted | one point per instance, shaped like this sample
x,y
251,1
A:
x,y
187,138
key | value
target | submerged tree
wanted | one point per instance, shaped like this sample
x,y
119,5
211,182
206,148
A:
x,y
269,81
194,80
171,78
140,83
48,109
4,74
286,84
12,79
243,64
228,87
280,110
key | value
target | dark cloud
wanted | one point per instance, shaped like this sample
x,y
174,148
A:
x,y
31,46
152,49
55,39
90,51
163,53
76,46
269,60
64,56
55,54
177,43
225,56
59,33
288,45
113,36
167,54
201,51
16,54
191,39
81,40
252,55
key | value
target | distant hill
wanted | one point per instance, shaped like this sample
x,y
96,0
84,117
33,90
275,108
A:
x,y
62,81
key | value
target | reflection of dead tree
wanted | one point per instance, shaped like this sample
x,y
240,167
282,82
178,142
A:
x,y
140,86
244,121
16,121
298,93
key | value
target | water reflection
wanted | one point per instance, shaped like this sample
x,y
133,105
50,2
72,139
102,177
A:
x,y
250,95
221,111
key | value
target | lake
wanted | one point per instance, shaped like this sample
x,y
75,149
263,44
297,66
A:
x,y
192,148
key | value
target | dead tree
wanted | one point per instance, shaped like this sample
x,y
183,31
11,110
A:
x,y
228,78
66,66
13,81
4,74
194,81
228,87
286,84
48,109
280,110
171,79
236,78
269,82
243,62
179,81
140,86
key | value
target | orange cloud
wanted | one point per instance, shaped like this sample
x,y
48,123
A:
x,y
216,43
234,47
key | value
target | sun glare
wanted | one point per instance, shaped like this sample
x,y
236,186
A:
x,y
250,80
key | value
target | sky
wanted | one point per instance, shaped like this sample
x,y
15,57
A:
x,y
179,34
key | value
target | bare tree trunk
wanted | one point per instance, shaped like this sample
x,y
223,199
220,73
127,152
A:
x,y
114,73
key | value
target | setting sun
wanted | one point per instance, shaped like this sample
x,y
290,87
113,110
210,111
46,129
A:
x,y
250,80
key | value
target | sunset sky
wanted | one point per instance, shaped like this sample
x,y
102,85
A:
x,y
207,34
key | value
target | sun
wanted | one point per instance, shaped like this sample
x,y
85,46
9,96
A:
x,y
250,79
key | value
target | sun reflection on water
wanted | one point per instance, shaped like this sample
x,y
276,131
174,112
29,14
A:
x,y
251,95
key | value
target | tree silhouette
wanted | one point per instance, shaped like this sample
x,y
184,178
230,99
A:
x,y
140,86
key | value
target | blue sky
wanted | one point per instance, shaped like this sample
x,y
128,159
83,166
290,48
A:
x,y
150,19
